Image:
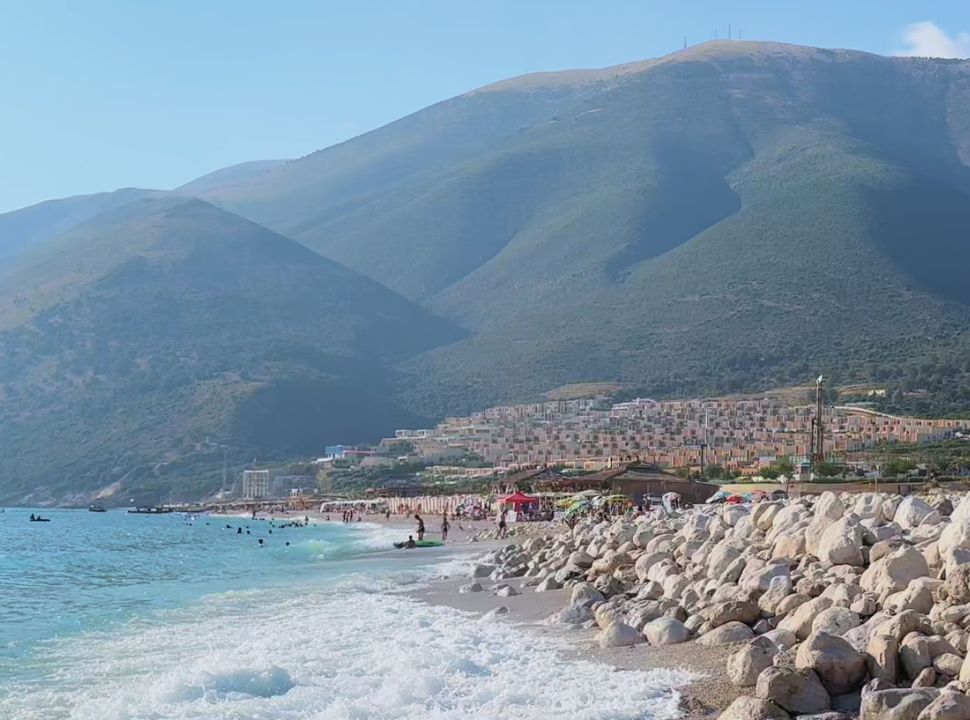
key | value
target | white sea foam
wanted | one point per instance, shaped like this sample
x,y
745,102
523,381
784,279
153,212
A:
x,y
336,654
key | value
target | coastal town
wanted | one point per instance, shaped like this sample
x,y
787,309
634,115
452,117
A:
x,y
579,444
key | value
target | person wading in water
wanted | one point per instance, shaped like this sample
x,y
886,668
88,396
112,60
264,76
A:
x,y
420,527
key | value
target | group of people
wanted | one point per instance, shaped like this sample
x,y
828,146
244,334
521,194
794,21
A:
x,y
420,530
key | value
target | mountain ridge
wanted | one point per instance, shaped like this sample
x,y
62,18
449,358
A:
x,y
733,216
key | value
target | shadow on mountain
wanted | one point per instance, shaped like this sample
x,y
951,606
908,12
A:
x,y
687,202
925,230
303,415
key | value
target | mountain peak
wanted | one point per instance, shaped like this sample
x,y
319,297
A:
x,y
709,50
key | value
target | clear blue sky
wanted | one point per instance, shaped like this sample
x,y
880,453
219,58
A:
x,y
103,94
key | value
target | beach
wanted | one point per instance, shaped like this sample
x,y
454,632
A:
x,y
847,603
117,617
705,694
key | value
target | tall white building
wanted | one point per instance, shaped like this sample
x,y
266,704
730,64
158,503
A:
x,y
255,484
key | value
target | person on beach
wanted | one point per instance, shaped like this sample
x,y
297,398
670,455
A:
x,y
503,527
444,527
420,526
410,544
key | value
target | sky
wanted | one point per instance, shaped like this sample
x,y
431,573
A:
x,y
102,94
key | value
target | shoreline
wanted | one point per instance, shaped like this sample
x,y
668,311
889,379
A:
x,y
702,698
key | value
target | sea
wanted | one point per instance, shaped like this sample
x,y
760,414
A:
x,y
117,616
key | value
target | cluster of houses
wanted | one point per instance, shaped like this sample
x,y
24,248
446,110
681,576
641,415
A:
x,y
741,435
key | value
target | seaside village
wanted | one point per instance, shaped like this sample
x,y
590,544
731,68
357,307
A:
x,y
829,594
635,451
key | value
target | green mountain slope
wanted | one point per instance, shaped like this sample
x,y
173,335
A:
x,y
733,215
167,325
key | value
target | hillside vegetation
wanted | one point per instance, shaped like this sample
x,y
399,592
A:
x,y
168,326
731,216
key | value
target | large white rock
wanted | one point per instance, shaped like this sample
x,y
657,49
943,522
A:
x,y
837,664
790,545
800,620
585,594
949,705
645,563
797,691
746,707
841,542
732,611
835,621
580,559
746,664
917,596
868,505
619,634
895,704
829,505
912,511
895,571
733,632
761,576
813,533
666,631
778,589
882,658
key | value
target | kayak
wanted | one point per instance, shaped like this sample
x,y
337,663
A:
x,y
420,543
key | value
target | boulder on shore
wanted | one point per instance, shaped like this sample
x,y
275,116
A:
x,y
666,631
619,634
797,691
746,707
837,664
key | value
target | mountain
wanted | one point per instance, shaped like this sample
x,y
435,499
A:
x,y
31,226
227,178
730,216
727,218
134,343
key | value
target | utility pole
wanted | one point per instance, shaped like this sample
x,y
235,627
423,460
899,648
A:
x,y
819,445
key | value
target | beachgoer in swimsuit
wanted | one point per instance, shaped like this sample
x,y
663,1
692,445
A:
x,y
420,526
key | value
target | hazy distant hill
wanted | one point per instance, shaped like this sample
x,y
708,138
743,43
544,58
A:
x,y
734,214
168,321
230,177
22,229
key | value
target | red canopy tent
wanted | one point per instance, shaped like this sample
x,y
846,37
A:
x,y
518,499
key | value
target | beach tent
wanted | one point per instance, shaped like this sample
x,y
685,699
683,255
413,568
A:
x,y
519,499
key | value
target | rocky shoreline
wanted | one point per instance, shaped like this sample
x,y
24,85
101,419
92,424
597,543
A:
x,y
828,607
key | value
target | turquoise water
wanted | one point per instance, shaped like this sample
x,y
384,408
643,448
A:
x,y
127,617
90,571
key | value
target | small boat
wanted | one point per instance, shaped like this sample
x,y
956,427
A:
x,y
420,544
97,508
39,519
150,510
